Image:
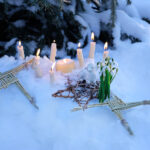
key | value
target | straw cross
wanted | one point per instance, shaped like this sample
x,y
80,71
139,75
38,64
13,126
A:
x,y
117,105
8,78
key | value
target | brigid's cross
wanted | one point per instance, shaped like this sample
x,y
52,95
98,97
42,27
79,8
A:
x,y
117,105
8,78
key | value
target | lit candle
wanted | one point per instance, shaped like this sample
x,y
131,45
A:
x,y
36,59
80,56
92,47
36,64
53,51
52,77
20,50
65,65
106,52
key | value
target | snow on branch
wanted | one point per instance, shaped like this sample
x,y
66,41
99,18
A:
x,y
129,25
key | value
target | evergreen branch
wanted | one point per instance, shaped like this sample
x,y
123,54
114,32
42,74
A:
x,y
129,2
95,2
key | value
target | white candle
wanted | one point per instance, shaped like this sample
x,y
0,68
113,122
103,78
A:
x,y
20,50
36,59
92,47
80,56
106,52
65,65
36,64
53,51
52,77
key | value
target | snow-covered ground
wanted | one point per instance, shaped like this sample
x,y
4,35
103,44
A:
x,y
55,127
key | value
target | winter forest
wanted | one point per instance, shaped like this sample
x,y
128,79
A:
x,y
74,74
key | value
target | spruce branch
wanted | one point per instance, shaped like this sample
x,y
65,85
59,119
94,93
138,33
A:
x,y
129,2
95,2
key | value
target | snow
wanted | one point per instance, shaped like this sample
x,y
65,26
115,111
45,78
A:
x,y
70,7
33,9
143,8
54,126
131,10
10,43
32,46
15,2
87,30
91,18
19,23
71,45
131,26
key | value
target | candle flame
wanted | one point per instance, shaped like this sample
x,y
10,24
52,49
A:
x,y
53,65
92,36
79,44
38,52
64,60
19,43
105,45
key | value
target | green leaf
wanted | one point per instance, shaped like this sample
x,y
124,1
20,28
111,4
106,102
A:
x,y
101,94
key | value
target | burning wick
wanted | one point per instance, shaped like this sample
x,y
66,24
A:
x,y
38,52
79,45
19,43
106,46
92,36
106,52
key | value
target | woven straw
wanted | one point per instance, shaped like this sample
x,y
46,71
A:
x,y
8,78
117,105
